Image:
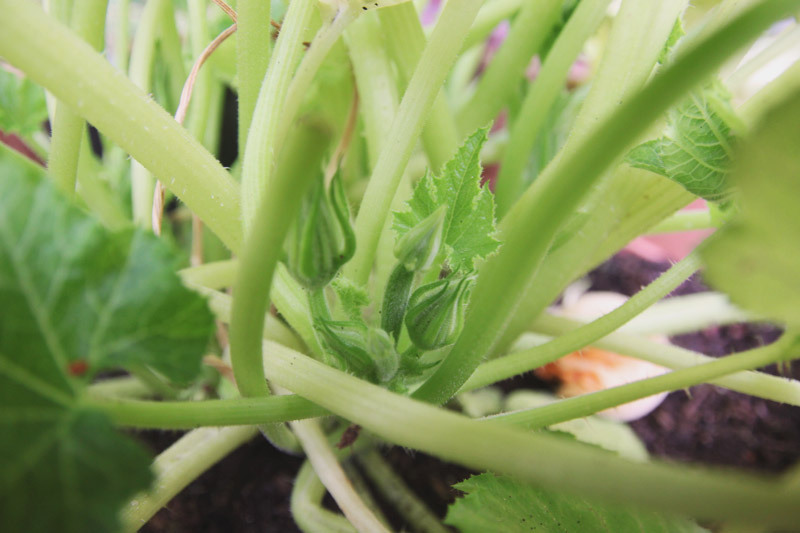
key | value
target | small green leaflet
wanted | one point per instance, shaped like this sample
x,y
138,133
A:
x,y
756,258
77,299
500,503
469,226
697,144
351,297
22,105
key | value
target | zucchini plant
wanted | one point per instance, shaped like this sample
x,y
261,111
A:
x,y
349,269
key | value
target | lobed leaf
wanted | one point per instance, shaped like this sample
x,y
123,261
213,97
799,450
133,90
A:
x,y
469,225
756,258
77,299
697,145
500,503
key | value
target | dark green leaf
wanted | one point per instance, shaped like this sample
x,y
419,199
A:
x,y
22,105
756,259
495,503
697,145
73,293
67,290
469,225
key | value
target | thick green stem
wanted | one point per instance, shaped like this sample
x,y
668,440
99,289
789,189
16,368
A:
x,y
543,459
330,472
299,166
307,509
556,194
179,465
253,47
37,45
192,414
405,38
539,101
394,489
490,15
88,22
685,221
436,60
201,94
754,383
507,69
588,404
122,34
517,363
263,143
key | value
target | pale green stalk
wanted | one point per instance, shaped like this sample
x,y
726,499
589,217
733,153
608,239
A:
x,y
591,403
547,460
122,34
330,472
694,219
784,45
179,465
145,414
171,54
95,191
752,110
306,504
88,22
436,60
103,96
517,363
685,314
505,72
753,383
141,73
121,387
394,490
201,94
405,39
489,16
539,101
263,139
555,195
253,49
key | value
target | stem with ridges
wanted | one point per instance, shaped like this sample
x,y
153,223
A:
x,y
179,465
517,363
505,72
330,472
556,194
588,404
753,383
539,100
543,459
436,60
88,22
306,505
191,414
253,49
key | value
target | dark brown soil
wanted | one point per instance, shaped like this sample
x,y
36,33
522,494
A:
x,y
250,489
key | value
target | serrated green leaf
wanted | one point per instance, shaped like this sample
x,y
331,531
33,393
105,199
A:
x,y
469,225
72,291
495,503
697,145
756,259
22,104
77,299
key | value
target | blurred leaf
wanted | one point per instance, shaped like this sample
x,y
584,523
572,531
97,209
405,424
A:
x,y
756,258
469,224
697,144
495,503
22,104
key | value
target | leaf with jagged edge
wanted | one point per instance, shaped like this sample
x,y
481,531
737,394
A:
x,y
77,299
469,225
756,258
500,503
697,145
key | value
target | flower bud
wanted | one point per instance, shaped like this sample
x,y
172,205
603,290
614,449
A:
x,y
381,348
417,249
395,300
347,342
322,239
435,313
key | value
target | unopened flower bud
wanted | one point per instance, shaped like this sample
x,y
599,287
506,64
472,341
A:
x,y
417,249
322,239
381,348
435,313
347,342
